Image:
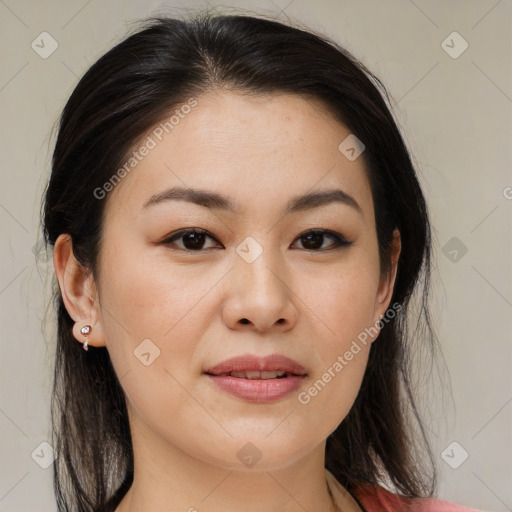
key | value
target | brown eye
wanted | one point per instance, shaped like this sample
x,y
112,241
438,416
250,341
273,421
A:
x,y
191,239
314,239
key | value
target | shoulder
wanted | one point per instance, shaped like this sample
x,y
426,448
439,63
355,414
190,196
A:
x,y
377,499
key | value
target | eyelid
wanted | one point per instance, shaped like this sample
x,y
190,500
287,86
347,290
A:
x,y
177,234
341,241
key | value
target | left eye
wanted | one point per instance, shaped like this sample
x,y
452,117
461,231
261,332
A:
x,y
194,239
311,239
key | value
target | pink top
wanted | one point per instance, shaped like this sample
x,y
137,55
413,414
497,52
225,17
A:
x,y
385,501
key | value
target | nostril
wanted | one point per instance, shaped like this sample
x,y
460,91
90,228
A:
x,y
244,321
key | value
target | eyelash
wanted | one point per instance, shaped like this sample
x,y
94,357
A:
x,y
340,240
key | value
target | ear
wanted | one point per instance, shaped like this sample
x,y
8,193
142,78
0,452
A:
x,y
387,282
78,290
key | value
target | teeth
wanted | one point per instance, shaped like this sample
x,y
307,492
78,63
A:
x,y
272,375
253,375
257,374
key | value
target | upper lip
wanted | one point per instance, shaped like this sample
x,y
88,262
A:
x,y
249,362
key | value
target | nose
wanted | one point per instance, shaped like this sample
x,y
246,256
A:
x,y
259,297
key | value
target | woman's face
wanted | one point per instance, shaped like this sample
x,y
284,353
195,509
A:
x,y
256,283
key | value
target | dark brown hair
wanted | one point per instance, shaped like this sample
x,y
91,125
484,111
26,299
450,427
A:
x,y
125,93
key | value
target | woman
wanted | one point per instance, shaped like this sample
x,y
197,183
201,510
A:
x,y
237,231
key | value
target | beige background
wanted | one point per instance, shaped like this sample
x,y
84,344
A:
x,y
456,116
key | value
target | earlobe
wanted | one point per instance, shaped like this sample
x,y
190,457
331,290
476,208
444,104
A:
x,y
82,330
78,292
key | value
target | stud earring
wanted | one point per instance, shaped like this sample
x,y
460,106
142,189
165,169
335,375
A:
x,y
86,330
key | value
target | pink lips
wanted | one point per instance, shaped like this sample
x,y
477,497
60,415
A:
x,y
259,389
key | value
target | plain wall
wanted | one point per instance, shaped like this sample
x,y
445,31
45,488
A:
x,y
455,114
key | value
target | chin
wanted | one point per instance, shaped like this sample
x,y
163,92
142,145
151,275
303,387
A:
x,y
263,453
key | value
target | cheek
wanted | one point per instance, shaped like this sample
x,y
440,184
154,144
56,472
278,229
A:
x,y
151,297
145,300
344,301
149,308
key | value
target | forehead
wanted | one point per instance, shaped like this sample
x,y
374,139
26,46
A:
x,y
257,149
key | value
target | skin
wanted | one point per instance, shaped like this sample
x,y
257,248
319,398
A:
x,y
261,151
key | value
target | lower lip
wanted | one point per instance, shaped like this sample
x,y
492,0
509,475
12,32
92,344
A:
x,y
258,390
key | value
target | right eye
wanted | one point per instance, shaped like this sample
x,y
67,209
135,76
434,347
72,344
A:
x,y
191,239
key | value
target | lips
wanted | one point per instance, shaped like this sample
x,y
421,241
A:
x,y
255,374
253,367
258,379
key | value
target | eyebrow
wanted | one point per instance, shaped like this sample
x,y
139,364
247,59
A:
x,y
216,201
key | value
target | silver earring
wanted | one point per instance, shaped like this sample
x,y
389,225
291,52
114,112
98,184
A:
x,y
86,330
